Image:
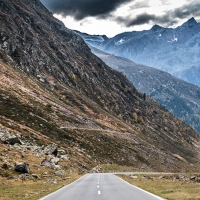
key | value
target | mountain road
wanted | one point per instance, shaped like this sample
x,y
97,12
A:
x,y
101,187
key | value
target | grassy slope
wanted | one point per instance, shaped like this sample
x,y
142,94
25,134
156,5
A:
x,y
167,188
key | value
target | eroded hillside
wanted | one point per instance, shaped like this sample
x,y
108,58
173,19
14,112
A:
x,y
54,88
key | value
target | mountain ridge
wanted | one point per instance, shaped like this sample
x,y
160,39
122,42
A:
x,y
179,97
173,50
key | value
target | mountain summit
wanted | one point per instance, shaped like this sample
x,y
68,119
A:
x,y
156,27
191,22
172,50
54,89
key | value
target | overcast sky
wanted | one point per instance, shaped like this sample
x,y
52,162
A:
x,y
111,17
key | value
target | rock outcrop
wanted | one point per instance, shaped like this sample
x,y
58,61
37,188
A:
x,y
22,167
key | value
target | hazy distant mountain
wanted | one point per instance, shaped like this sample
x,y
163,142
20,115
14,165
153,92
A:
x,y
176,51
178,96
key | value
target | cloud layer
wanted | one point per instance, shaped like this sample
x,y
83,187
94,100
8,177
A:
x,y
169,18
81,9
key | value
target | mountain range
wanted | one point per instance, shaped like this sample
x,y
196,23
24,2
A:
x,y
178,96
173,50
55,90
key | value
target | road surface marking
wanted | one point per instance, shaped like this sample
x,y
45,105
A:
x,y
99,192
97,186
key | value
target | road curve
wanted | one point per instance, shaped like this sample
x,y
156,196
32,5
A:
x,y
100,187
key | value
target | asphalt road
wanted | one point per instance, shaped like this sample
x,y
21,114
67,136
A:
x,y
100,187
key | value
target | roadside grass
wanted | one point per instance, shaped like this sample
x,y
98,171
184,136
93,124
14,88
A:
x,y
165,188
14,188
118,168
32,189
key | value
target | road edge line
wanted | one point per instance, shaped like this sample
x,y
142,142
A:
x,y
43,198
159,198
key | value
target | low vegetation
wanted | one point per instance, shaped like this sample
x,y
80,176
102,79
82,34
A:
x,y
169,187
33,189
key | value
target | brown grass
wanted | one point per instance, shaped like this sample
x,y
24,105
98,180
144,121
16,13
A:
x,y
32,189
168,189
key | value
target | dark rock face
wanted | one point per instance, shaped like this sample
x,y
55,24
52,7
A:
x,y
22,167
12,141
44,48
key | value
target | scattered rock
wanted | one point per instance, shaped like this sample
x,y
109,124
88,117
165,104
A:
x,y
55,160
46,162
36,176
193,177
97,169
12,141
24,176
51,149
53,181
22,167
60,173
134,177
51,161
55,167
61,151
5,166
64,157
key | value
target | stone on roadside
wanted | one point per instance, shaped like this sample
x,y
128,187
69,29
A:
x,y
12,141
60,173
22,167
64,157
51,149
35,176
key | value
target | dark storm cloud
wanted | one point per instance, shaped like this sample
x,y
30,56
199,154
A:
x,y
192,9
169,18
141,19
138,20
80,9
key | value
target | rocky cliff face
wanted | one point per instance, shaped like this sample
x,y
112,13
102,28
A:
x,y
54,88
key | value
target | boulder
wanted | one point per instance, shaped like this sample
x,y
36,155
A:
x,y
46,161
51,149
64,157
60,173
24,176
55,167
51,162
4,166
22,167
61,151
55,160
12,141
36,176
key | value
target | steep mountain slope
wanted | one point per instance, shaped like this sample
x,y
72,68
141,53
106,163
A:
x,y
54,88
171,50
179,97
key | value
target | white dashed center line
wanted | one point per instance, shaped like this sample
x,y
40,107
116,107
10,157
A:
x,y
99,192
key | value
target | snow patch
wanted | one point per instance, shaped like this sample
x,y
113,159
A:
x,y
121,41
173,40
